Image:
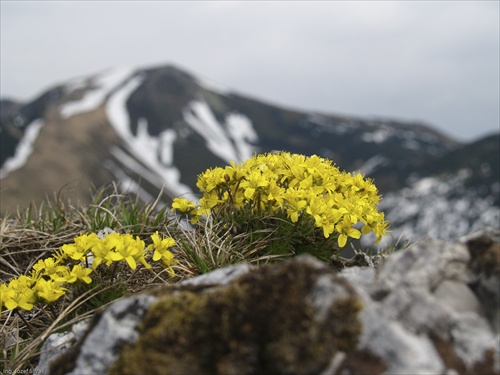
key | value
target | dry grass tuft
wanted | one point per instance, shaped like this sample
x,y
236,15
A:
x,y
36,233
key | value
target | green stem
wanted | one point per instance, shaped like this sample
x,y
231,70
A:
x,y
294,229
257,202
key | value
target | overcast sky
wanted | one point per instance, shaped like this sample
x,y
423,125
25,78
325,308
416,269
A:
x,y
432,61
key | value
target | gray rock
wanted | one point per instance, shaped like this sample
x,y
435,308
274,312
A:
x,y
484,270
100,343
117,327
402,350
422,310
425,264
54,345
359,275
221,276
419,305
458,297
59,343
288,318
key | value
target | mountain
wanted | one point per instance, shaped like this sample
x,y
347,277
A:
x,y
7,106
160,127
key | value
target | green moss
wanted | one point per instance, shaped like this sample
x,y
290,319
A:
x,y
262,323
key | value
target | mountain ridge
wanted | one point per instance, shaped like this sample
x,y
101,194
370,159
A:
x,y
162,126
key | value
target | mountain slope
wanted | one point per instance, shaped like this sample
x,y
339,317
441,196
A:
x,y
161,127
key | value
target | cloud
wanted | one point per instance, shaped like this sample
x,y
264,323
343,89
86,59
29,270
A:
x,y
433,61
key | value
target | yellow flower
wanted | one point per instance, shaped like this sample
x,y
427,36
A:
x,y
168,261
252,182
128,249
19,294
345,230
234,173
275,194
316,208
160,246
4,296
64,277
211,179
48,267
81,247
294,204
103,250
209,201
195,216
81,273
295,184
182,205
50,291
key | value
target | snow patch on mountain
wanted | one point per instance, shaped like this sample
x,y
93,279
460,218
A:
x,y
103,84
318,124
371,164
128,185
167,139
23,150
116,108
378,136
231,141
132,164
243,134
155,154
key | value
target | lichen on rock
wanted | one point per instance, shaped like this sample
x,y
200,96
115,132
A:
x,y
264,322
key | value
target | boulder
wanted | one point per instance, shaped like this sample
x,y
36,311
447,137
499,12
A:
x,y
432,308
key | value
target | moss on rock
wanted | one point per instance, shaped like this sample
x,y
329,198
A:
x,y
264,322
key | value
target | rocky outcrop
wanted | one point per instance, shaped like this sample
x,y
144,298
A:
x,y
432,308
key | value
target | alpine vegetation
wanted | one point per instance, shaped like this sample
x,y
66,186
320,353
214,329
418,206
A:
x,y
270,207
50,278
314,205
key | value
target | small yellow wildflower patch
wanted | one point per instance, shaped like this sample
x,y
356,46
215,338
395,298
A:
x,y
296,185
50,277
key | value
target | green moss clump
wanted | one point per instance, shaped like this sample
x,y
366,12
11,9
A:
x,y
262,323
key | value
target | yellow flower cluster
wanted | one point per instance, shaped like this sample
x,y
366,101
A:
x,y
297,185
50,277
